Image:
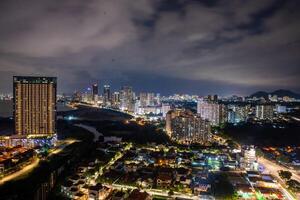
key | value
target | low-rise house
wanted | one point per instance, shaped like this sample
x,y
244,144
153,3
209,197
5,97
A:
x,y
98,192
245,191
138,195
267,181
164,180
65,188
145,182
131,167
232,164
185,180
80,196
119,195
181,172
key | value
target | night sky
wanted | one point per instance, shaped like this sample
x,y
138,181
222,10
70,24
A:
x,y
196,47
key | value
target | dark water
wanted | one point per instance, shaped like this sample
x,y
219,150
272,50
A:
x,y
6,108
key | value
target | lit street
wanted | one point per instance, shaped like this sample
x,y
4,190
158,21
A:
x,y
21,172
273,168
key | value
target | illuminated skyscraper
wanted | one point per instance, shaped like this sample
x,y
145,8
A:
x,y
186,127
264,112
150,99
212,111
127,99
34,105
143,99
116,99
106,95
237,113
95,91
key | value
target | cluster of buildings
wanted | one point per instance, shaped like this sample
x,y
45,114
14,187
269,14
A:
x,y
13,157
125,100
212,108
191,172
5,97
190,127
84,182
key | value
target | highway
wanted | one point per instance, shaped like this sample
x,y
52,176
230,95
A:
x,y
156,192
273,168
21,172
62,144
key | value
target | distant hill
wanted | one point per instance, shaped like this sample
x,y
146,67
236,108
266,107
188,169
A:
x,y
279,93
282,93
260,94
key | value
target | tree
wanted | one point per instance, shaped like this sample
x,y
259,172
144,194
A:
x,y
232,144
293,185
283,159
223,189
170,193
259,152
286,175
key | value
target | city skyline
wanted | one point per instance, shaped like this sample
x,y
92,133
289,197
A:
x,y
236,48
149,99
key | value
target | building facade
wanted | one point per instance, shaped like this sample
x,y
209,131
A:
x,y
237,113
264,112
127,99
106,95
34,105
214,112
95,92
186,127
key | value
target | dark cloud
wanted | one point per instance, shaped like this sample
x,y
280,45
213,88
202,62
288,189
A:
x,y
168,46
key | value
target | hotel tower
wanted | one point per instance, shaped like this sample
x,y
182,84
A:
x,y
34,106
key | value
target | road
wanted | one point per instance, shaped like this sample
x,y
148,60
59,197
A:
x,y
273,168
63,144
21,172
90,129
156,192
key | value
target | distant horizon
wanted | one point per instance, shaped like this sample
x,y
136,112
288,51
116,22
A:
x,y
193,47
170,94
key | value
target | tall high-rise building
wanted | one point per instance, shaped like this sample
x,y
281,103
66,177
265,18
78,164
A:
x,y
165,108
143,99
95,91
116,99
127,99
186,127
212,111
76,97
106,95
150,99
238,113
34,105
264,112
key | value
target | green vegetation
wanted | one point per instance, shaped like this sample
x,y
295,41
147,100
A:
x,y
222,188
259,152
263,135
286,175
282,158
293,185
131,132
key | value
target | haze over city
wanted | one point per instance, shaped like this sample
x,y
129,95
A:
x,y
175,46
